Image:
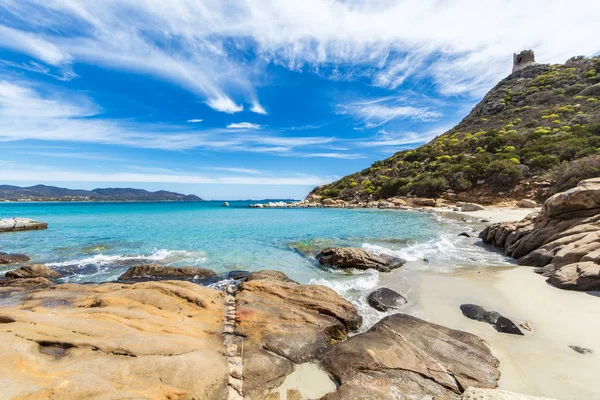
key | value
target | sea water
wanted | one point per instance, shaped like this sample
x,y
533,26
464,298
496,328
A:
x,y
97,242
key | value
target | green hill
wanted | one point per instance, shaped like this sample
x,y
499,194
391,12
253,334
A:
x,y
535,133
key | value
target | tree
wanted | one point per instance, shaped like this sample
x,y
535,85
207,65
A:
x,y
429,187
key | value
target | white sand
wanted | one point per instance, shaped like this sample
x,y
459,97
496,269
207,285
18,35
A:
x,y
540,363
492,214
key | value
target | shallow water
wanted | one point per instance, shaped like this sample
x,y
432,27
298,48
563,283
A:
x,y
96,242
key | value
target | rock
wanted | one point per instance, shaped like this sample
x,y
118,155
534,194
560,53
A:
x,y
577,276
355,258
465,234
226,204
562,241
399,202
17,285
499,322
328,202
286,323
385,204
384,299
526,203
164,272
581,350
418,201
468,207
411,358
268,275
473,393
13,258
144,340
33,271
21,224
581,201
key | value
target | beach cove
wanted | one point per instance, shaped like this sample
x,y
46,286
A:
x,y
443,271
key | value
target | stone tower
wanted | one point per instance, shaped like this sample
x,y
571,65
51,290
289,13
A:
x,y
523,60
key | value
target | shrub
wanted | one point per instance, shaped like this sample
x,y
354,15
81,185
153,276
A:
x,y
504,173
429,187
543,162
569,174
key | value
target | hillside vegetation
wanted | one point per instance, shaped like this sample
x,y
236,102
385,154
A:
x,y
537,132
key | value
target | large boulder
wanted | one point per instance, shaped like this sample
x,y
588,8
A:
x,y
384,299
145,340
155,271
13,258
328,202
21,224
33,271
420,201
285,323
581,201
19,285
356,258
410,358
468,207
563,240
526,203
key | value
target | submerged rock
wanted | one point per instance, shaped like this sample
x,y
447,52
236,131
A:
x,y
33,271
21,224
563,241
411,358
13,258
465,234
165,272
498,321
355,258
384,299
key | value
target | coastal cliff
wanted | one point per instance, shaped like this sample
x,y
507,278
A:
x,y
534,134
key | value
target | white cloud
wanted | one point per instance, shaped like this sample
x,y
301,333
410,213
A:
x,y
393,139
374,113
243,125
346,156
45,113
50,175
464,45
238,170
195,120
258,109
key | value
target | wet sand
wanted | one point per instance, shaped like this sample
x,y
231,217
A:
x,y
539,363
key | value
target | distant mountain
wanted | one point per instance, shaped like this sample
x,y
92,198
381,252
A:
x,y
534,134
53,193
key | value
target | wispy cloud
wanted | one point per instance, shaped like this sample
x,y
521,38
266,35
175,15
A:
x,y
17,174
238,170
197,44
346,156
26,113
391,140
195,120
377,112
243,125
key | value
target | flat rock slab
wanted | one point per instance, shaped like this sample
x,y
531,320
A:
x,y
21,224
404,357
156,271
144,340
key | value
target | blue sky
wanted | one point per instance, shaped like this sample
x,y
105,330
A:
x,y
251,99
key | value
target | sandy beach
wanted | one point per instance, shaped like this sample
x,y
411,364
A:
x,y
492,214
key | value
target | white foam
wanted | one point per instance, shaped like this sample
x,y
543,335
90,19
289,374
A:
x,y
163,255
359,281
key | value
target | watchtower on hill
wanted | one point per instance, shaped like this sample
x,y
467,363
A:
x,y
523,60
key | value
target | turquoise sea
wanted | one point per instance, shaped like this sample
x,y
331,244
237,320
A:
x,y
96,242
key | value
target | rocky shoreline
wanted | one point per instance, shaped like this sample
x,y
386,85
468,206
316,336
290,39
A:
x,y
21,224
159,333
562,241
